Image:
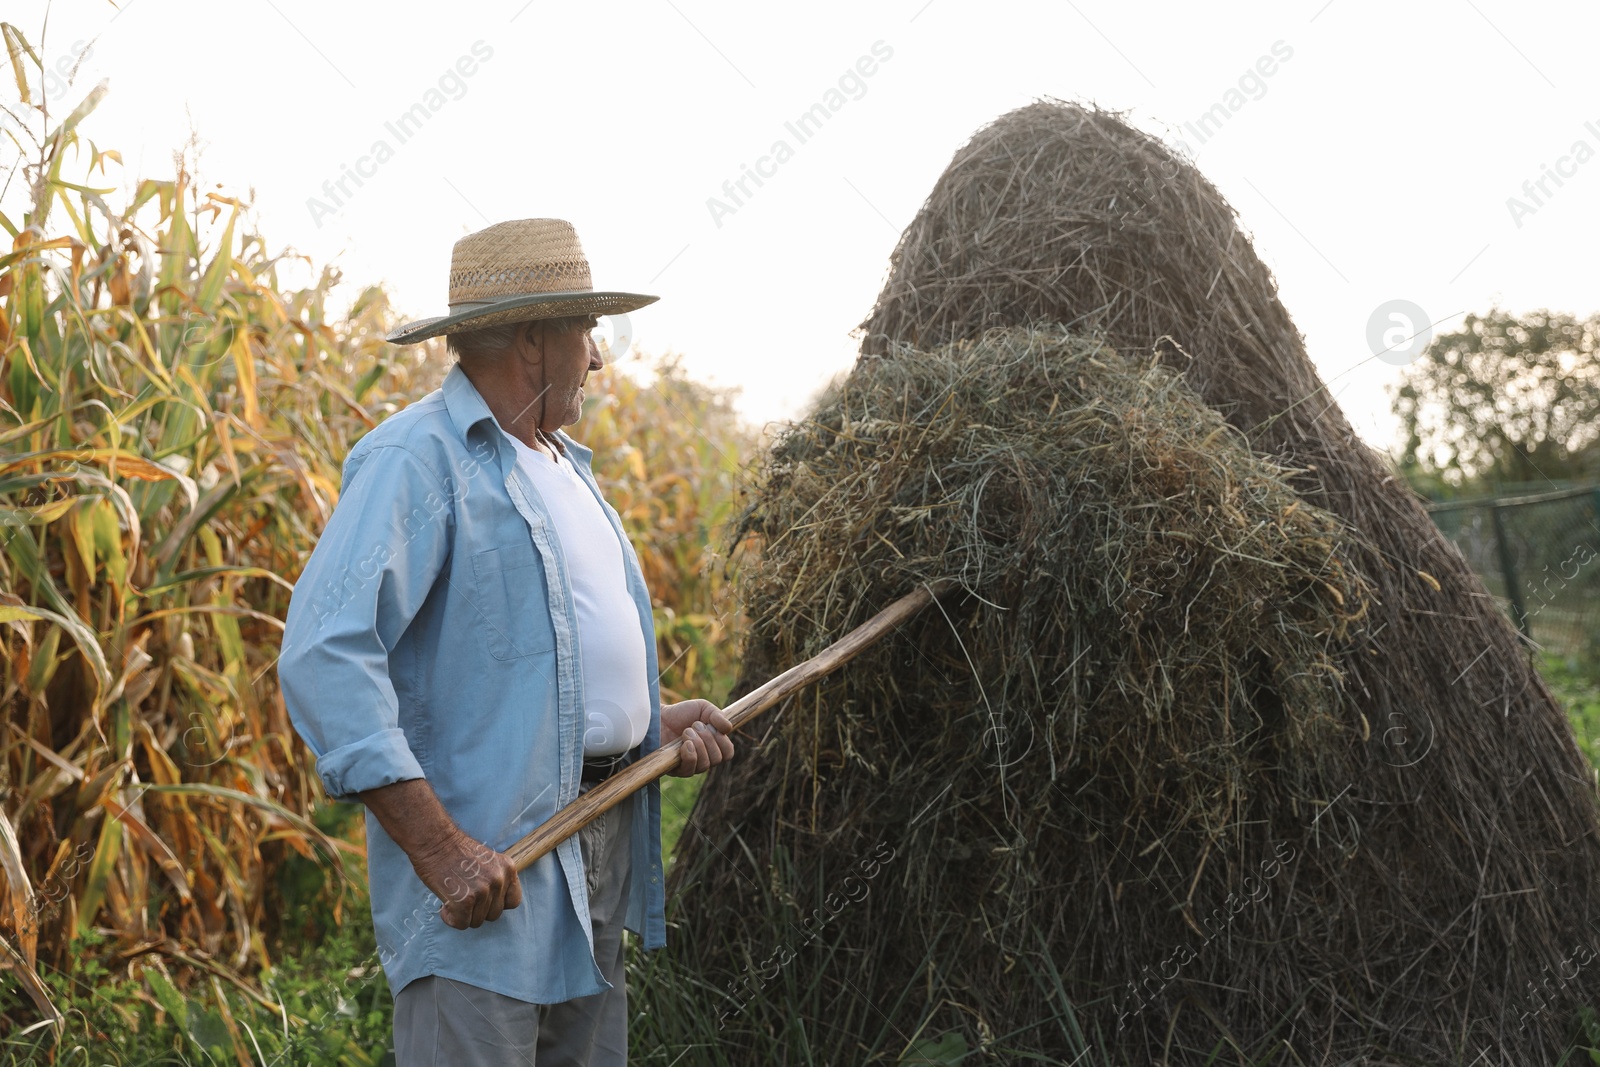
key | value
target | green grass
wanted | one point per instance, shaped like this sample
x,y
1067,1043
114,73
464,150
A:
x,y
677,801
1578,690
328,1005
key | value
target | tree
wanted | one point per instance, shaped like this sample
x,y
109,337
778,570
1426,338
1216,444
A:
x,y
1505,399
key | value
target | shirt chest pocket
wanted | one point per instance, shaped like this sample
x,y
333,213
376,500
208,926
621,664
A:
x,y
514,599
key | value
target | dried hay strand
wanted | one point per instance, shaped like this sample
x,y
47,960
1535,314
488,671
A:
x,y
1441,888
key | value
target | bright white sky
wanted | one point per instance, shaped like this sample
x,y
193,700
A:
x,y
1373,165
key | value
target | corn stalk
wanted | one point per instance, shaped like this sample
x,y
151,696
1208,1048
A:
x,y
172,422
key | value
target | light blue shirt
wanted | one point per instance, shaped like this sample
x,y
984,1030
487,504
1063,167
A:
x,y
432,635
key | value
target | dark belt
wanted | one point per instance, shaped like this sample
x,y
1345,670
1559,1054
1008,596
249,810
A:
x,y
599,768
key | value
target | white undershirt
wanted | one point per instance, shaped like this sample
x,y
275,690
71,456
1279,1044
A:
x,y
611,650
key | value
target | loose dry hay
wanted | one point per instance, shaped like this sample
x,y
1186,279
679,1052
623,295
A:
x,y
1420,843
1133,698
1137,577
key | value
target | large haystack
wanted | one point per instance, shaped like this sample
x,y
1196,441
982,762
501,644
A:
x,y
1445,870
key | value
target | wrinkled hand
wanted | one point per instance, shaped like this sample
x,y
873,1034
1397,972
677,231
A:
x,y
475,882
704,730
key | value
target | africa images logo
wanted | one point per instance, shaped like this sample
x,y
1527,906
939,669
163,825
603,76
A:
x,y
451,85
803,128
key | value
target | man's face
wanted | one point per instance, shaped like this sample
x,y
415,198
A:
x,y
568,356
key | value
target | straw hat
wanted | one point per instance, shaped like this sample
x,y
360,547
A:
x,y
516,271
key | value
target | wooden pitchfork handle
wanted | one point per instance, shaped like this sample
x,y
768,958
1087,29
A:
x,y
611,792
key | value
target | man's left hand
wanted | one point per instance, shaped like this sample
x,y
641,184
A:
x,y
704,730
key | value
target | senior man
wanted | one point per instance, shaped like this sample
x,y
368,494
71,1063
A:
x,y
469,647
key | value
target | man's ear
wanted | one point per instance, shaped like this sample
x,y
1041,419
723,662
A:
x,y
533,334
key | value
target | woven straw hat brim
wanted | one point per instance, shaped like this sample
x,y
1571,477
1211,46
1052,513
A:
x,y
522,308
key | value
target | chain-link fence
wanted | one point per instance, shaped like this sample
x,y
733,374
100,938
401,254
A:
x,y
1539,554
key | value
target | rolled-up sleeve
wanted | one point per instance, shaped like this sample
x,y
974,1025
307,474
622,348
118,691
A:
x,y
374,565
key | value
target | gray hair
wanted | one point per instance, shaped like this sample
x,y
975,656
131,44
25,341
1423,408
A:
x,y
487,340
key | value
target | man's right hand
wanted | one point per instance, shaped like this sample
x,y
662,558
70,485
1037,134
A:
x,y
475,882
